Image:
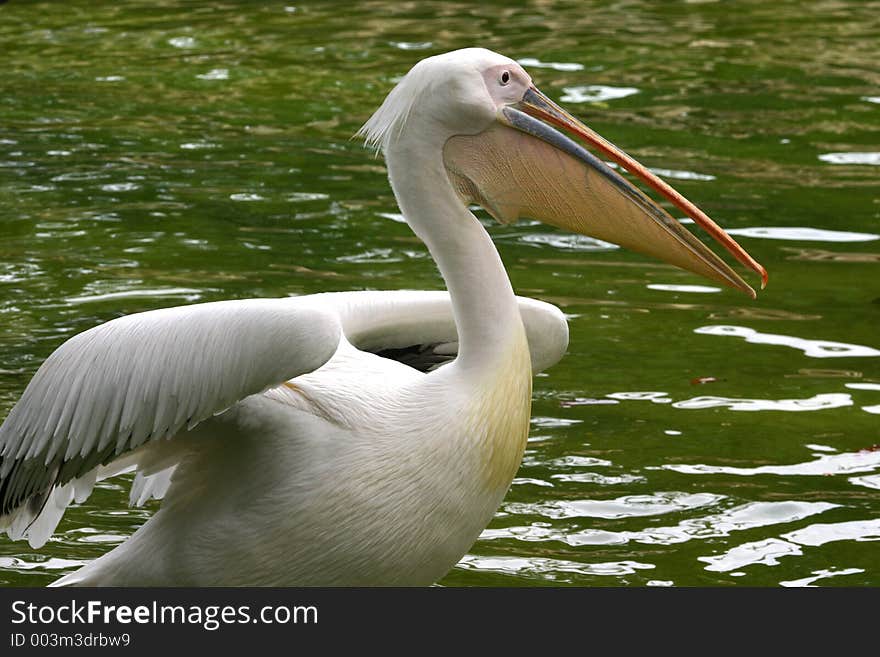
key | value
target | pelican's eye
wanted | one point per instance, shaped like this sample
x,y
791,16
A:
x,y
505,78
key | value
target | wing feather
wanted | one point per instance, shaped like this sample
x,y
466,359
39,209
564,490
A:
x,y
139,378
378,321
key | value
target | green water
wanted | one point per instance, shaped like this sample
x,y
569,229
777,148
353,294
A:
x,y
161,153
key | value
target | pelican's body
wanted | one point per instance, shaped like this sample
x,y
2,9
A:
x,y
301,484
361,438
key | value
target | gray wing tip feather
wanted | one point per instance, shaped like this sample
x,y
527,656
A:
x,y
114,387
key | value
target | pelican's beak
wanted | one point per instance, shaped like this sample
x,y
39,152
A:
x,y
522,166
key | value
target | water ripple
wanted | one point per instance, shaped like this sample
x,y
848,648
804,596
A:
x,y
851,158
182,42
871,481
120,187
372,256
679,174
568,242
819,402
769,551
826,464
669,287
811,348
820,534
602,480
863,386
766,552
803,234
821,574
628,506
556,66
246,196
595,93
747,516
188,294
411,45
198,145
579,462
647,395
544,422
299,197
53,563
550,569
215,74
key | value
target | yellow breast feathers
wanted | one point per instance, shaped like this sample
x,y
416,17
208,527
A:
x,y
501,414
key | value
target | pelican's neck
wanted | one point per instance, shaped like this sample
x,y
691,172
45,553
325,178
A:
x,y
486,313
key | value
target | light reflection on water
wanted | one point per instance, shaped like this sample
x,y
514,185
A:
x,y
554,570
819,534
52,564
851,158
818,402
595,93
811,348
670,287
568,242
766,552
817,575
624,507
803,234
825,465
531,62
769,551
173,294
712,526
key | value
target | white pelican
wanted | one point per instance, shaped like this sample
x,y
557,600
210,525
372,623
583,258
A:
x,y
358,438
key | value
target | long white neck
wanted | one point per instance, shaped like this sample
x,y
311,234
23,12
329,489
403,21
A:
x,y
485,308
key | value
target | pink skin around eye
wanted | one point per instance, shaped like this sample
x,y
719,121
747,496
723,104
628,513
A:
x,y
504,94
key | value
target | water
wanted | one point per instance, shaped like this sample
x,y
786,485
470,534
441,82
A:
x,y
155,154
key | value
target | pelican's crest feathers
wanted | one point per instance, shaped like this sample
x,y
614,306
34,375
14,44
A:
x,y
387,122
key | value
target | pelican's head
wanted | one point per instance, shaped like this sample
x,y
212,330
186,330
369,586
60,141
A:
x,y
502,150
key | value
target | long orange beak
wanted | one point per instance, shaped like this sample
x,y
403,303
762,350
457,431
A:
x,y
539,106
521,165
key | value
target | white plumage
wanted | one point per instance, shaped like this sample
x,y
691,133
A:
x,y
355,438
132,389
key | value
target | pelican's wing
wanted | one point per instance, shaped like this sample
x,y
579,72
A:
x,y
143,378
407,323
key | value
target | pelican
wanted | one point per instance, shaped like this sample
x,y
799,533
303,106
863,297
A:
x,y
354,438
